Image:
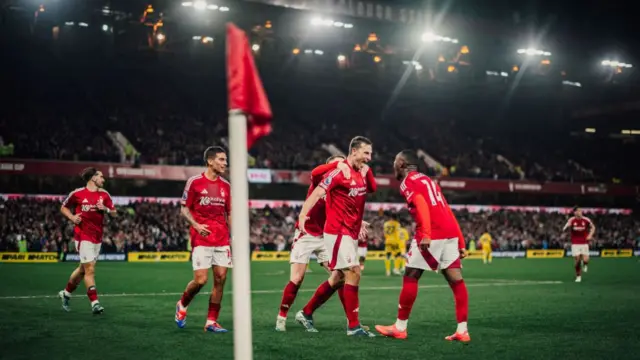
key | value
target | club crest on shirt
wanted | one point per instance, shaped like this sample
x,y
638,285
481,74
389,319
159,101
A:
x,y
184,195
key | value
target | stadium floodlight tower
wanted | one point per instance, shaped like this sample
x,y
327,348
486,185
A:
x,y
533,52
615,64
429,37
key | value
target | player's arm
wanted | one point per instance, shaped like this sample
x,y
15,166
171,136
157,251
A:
x,y
566,226
311,201
65,209
107,206
423,218
320,171
592,230
372,186
462,246
186,203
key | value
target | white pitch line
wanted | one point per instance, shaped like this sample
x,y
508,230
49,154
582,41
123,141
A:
x,y
278,291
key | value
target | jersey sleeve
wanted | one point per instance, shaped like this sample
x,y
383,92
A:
x,y
407,190
108,202
227,203
70,201
372,186
187,195
318,173
331,180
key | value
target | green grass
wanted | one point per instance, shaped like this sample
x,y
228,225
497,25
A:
x,y
519,309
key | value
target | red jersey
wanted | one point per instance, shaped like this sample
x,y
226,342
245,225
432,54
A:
x,y
580,228
345,201
443,224
84,202
317,215
209,202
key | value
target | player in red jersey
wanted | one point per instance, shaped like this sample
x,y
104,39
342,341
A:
x,y
309,241
345,198
438,245
582,230
89,205
206,205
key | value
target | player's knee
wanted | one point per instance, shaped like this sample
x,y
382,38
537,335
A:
x,y
452,275
201,279
89,269
220,277
297,277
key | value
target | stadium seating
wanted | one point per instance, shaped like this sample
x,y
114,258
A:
x,y
143,226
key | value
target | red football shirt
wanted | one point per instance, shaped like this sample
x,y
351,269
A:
x,y
209,202
317,215
84,202
580,228
345,202
443,223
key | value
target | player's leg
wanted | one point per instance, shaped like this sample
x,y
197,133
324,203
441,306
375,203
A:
x,y
320,296
490,255
202,260
88,257
215,299
453,275
362,256
74,280
577,265
485,256
416,265
289,294
387,261
452,271
585,260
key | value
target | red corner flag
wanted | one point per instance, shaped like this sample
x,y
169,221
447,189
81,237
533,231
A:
x,y
244,87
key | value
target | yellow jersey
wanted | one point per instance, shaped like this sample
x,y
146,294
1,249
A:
x,y
404,236
391,232
485,240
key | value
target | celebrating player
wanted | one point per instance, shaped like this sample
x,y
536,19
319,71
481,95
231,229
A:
x,y
391,230
89,205
438,245
582,230
485,240
309,241
345,208
206,205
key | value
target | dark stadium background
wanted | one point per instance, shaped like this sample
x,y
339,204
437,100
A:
x,y
565,122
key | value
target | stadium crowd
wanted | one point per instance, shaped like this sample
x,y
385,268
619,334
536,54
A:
x,y
36,225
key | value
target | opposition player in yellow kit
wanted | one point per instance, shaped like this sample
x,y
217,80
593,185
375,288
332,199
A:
x,y
401,260
486,240
391,230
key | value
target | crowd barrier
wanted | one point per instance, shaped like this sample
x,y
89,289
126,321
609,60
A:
x,y
185,256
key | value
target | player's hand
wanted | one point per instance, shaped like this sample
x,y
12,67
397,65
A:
x,y
364,170
202,229
76,219
364,231
101,206
463,253
301,221
424,244
346,172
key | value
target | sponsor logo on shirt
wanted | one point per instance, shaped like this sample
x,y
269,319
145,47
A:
x,y
208,200
359,191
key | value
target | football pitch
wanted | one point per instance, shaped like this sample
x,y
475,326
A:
x,y
518,309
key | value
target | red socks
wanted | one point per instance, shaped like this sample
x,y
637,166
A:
x,y
189,294
461,297
288,296
341,295
408,296
351,305
71,287
322,294
92,293
214,310
578,269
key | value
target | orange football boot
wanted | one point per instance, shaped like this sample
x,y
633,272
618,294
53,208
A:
x,y
391,331
462,337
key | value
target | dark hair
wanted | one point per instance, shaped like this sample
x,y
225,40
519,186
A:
x,y
358,141
212,151
394,216
334,157
410,158
88,173
575,208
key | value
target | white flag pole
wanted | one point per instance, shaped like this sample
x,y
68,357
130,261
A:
x,y
241,273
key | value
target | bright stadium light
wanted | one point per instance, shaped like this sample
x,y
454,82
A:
x,y
105,27
188,3
161,37
341,58
197,37
317,21
308,51
212,7
69,23
200,5
319,52
255,47
431,37
504,74
533,52
224,9
615,64
83,24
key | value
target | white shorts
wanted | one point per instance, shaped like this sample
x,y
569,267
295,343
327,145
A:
x,y
362,252
87,251
343,251
204,257
580,249
442,254
304,245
